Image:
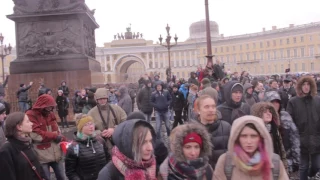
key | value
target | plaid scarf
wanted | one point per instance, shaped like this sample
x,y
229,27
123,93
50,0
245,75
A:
x,y
190,170
132,170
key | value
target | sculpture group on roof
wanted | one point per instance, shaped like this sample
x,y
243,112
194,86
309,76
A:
x,y
128,35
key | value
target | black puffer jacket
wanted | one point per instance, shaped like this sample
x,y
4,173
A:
x,y
144,100
178,101
85,159
229,109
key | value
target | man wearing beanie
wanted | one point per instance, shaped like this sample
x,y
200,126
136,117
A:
x,y
208,90
2,117
233,108
106,116
22,96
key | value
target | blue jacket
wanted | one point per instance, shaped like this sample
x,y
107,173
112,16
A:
x,y
161,100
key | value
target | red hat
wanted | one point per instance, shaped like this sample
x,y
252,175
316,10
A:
x,y
193,137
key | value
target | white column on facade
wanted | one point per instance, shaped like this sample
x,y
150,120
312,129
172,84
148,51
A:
x,y
180,59
191,59
153,62
147,54
174,59
196,58
185,58
111,62
158,60
104,58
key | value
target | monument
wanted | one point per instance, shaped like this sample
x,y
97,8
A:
x,y
55,41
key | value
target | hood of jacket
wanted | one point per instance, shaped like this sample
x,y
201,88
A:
x,y
44,101
311,81
246,86
239,124
183,131
258,108
124,91
123,135
227,92
271,95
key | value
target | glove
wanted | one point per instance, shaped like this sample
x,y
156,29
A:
x,y
295,168
60,138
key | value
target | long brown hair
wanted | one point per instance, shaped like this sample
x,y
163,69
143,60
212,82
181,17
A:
x,y
139,135
12,121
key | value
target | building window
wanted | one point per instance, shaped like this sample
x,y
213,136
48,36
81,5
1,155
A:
x,y
241,57
280,41
282,70
274,42
215,50
255,56
302,39
274,54
295,53
227,58
288,41
262,70
182,63
288,53
188,62
268,54
310,38
296,67
248,56
261,44
204,51
178,64
294,40
268,44
227,49
247,46
275,68
234,48
281,53
240,47
221,49
178,74
302,52
303,67
156,64
234,58
183,75
311,51
254,45
261,55
312,66
221,59
161,64
269,69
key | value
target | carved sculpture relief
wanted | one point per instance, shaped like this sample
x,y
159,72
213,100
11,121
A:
x,y
89,41
49,38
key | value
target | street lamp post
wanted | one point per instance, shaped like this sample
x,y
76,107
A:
x,y
168,45
3,53
209,48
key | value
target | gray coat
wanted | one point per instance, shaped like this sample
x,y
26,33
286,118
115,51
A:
x,y
2,135
23,94
125,101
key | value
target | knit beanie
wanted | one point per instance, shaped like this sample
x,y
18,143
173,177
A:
x,y
83,121
101,93
2,108
236,87
21,85
192,137
60,91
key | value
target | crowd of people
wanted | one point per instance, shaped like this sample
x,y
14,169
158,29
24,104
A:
x,y
221,127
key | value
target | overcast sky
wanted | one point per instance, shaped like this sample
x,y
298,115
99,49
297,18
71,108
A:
x,y
151,16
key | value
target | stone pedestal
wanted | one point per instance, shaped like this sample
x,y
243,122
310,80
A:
x,y
55,41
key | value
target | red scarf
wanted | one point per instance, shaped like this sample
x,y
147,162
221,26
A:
x,y
132,170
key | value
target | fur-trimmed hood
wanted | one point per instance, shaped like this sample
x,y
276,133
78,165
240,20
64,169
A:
x,y
258,109
183,131
311,81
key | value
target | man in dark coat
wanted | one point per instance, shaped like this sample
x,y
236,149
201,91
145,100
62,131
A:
x,y
22,95
305,112
178,103
193,80
286,92
65,89
233,108
144,100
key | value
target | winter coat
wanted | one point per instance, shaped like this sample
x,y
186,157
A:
x,y
85,158
178,101
110,120
229,109
62,106
286,95
318,87
177,147
305,112
193,80
208,90
122,138
237,174
125,101
23,94
3,86
161,100
86,103
65,90
144,100
14,166
45,130
248,98
2,135
184,90
219,132
191,99
112,98
75,104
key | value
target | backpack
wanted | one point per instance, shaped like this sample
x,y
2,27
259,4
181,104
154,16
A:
x,y
228,167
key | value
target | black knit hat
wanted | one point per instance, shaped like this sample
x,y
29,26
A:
x,y
21,85
237,87
175,86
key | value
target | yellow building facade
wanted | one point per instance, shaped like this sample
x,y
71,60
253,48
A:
x,y
268,52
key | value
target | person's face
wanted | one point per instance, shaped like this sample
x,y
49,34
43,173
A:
x,y
60,93
306,88
286,84
63,84
191,150
249,140
207,111
83,92
245,73
236,96
250,90
25,126
236,75
49,92
267,116
276,104
102,101
260,87
274,85
3,116
147,147
226,81
156,78
175,89
159,87
79,93
149,85
111,90
88,128
49,108
218,88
